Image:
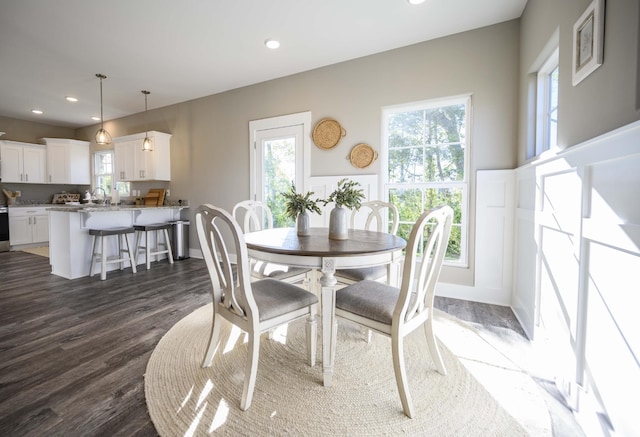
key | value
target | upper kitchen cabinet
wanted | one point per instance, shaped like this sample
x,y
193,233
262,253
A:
x,y
68,161
23,162
134,164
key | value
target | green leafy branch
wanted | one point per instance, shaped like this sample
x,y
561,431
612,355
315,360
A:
x,y
347,194
296,203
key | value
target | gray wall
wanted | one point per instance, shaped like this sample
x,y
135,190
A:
x,y
606,99
31,132
210,151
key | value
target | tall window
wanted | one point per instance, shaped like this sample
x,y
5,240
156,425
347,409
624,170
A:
x,y
103,174
103,170
427,151
547,104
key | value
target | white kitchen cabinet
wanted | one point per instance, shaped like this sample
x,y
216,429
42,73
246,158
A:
x,y
23,162
68,161
134,164
123,160
28,225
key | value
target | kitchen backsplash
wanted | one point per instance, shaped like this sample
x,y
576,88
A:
x,y
31,194
38,193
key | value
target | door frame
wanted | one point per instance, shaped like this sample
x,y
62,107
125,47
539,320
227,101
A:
x,y
299,119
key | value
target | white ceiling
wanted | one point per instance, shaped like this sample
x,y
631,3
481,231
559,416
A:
x,y
185,49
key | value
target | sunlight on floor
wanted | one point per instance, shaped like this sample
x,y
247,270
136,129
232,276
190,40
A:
x,y
280,334
205,392
221,415
194,425
488,356
233,339
186,399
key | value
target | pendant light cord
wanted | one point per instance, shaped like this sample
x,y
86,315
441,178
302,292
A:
x,y
146,144
102,136
101,112
101,76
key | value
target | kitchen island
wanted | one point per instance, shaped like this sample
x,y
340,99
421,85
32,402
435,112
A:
x,y
70,242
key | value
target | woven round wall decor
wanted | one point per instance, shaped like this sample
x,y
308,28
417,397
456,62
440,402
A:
x,y
362,155
328,133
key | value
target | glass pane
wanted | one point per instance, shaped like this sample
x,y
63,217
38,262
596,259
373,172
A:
x,y
553,88
104,163
279,168
406,165
553,109
105,182
411,203
124,188
553,129
427,145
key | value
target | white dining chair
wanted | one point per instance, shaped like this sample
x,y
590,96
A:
x,y
256,216
255,307
396,312
377,216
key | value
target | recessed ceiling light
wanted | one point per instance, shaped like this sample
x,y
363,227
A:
x,y
71,99
94,118
37,111
416,2
272,43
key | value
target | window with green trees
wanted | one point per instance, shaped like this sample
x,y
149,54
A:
x,y
426,164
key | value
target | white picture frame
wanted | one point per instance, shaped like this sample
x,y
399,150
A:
x,y
588,36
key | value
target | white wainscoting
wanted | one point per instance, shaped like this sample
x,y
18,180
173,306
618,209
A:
x,y
494,236
323,186
576,283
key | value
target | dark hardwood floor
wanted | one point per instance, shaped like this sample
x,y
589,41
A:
x,y
73,352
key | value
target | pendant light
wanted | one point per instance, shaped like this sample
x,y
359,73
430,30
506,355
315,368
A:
x,y
146,144
102,136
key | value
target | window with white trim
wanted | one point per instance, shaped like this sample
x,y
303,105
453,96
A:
x,y
103,173
425,164
547,105
103,170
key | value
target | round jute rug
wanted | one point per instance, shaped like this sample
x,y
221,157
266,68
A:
x,y
185,399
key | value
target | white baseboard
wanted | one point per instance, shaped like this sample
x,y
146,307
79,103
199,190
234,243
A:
x,y
474,294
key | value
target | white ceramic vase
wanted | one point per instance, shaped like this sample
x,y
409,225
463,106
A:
x,y
303,224
339,224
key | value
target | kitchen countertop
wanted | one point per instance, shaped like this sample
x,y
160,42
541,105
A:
x,y
31,205
106,208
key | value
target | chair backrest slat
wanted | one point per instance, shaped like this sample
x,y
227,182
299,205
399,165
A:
x,y
255,215
423,262
376,211
220,236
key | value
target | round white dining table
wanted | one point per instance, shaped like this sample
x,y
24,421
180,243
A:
x,y
317,251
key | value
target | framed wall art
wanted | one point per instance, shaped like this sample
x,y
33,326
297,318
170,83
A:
x,y
588,35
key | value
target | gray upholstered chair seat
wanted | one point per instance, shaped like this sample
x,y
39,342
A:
x,y
254,307
356,299
377,214
395,312
275,298
364,273
281,273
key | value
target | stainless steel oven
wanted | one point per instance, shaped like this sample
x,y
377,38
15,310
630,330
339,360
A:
x,y
4,229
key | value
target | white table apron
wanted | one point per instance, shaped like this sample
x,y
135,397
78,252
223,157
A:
x,y
390,255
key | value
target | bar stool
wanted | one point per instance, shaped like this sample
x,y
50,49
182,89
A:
x,y
101,256
148,250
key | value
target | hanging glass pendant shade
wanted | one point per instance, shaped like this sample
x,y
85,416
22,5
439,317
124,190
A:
x,y
146,144
102,136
